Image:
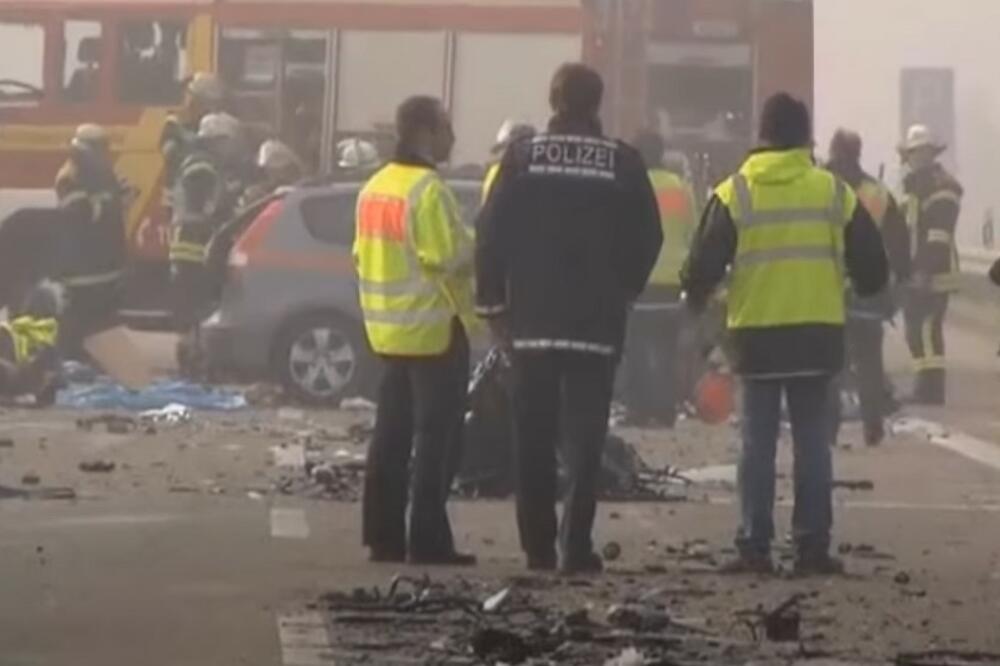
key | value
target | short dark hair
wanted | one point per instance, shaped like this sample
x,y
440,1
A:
x,y
576,91
420,112
845,145
651,146
785,122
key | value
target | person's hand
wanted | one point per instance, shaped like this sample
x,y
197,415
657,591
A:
x,y
500,333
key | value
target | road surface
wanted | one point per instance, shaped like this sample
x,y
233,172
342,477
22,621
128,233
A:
x,y
186,554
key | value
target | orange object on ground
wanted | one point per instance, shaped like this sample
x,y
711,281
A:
x,y
714,397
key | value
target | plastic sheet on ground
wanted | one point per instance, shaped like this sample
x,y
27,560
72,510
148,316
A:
x,y
105,394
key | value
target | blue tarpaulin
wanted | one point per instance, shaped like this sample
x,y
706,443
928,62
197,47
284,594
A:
x,y
105,394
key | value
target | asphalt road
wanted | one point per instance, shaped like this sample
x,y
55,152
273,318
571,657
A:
x,y
186,554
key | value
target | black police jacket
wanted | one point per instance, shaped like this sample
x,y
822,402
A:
x,y
567,240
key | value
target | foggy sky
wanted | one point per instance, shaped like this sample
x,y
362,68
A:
x,y
861,46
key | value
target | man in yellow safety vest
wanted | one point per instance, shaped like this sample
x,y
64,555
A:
x,y
866,317
789,233
933,204
414,261
651,367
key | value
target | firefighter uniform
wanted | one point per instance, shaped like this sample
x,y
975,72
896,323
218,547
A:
x,y
202,202
652,371
176,142
93,247
413,256
932,205
489,179
791,233
566,241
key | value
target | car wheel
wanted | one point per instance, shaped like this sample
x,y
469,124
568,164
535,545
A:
x,y
323,358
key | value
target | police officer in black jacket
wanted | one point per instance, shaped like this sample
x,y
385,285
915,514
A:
x,y
565,242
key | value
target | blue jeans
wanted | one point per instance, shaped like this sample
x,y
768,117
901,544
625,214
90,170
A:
x,y
810,416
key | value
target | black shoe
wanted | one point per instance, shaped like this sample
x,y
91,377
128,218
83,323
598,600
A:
x,y
590,563
386,556
818,565
747,563
543,562
453,559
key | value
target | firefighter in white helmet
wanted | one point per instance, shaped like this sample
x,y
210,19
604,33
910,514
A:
x,y
92,256
357,155
932,204
279,168
204,95
509,132
205,197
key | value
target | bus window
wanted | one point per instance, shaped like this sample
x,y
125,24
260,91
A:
x,y
81,77
152,58
22,79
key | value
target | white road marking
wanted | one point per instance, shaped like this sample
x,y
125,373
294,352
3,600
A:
x,y
887,505
113,520
973,448
289,524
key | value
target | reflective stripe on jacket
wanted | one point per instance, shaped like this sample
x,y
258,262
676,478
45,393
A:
x,y
414,261
489,179
789,263
927,232
29,336
678,219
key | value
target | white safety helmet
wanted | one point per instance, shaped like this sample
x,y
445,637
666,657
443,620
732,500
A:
x,y
920,136
510,131
356,154
219,126
274,154
90,136
206,86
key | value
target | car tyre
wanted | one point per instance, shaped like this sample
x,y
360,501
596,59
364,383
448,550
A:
x,y
323,358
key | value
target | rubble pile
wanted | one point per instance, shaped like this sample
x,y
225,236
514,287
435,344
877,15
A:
x,y
419,620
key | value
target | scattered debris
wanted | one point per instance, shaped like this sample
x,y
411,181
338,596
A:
x,y
948,658
611,551
902,578
357,404
6,443
499,646
628,657
30,479
97,466
497,601
115,424
172,415
858,484
781,625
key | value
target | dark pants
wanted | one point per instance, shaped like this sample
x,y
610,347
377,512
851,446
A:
x,y
865,338
188,284
553,391
651,367
808,410
925,313
421,405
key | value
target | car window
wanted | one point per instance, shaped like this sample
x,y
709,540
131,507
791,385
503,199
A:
x,y
330,218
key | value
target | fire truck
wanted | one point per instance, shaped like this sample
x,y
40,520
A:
x,y
313,72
